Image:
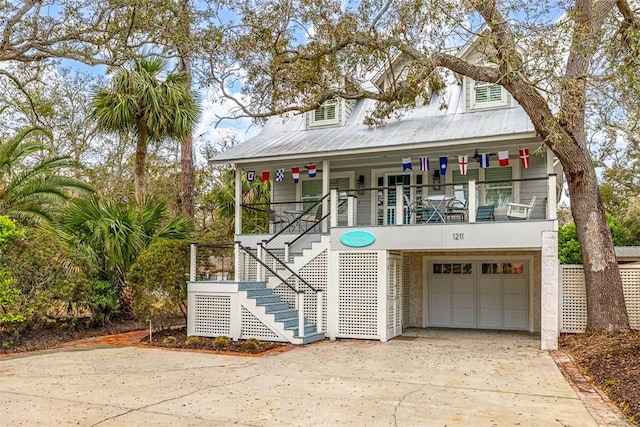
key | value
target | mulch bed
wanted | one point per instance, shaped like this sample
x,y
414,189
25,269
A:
x,y
612,362
177,338
60,333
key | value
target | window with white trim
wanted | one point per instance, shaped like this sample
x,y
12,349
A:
x,y
326,114
312,191
498,193
488,94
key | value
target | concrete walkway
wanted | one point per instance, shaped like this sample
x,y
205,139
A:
x,y
424,378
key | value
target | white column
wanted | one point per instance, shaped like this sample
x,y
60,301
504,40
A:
x,y
192,263
549,292
551,197
399,205
326,172
334,208
238,199
383,290
352,211
319,310
472,200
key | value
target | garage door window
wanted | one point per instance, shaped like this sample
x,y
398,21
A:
x,y
452,268
502,268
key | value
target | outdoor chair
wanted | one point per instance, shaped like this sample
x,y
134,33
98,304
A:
x,y
457,208
415,210
485,213
275,222
312,219
520,211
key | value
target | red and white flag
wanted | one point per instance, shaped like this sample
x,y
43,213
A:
x,y
503,158
265,176
463,161
524,156
295,172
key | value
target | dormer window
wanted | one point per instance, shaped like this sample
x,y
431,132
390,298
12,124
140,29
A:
x,y
326,114
487,95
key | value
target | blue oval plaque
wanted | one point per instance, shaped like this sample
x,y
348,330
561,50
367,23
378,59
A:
x,y
357,238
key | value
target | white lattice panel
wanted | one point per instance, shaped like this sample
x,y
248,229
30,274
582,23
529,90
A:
x,y
631,288
574,297
316,273
248,268
358,295
406,289
212,315
254,328
391,292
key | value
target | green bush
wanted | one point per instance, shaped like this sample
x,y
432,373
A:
x,y
192,340
49,278
221,342
9,294
104,302
252,344
569,250
158,281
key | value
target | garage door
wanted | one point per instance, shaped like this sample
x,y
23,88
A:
x,y
482,294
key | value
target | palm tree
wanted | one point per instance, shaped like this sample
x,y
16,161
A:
x,y
113,234
138,102
31,184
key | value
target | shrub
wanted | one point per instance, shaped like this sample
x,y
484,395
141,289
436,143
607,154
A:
x,y
169,340
104,302
158,281
51,279
252,344
192,340
221,342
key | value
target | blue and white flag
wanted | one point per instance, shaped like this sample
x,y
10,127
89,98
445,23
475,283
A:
x,y
424,163
251,176
443,165
279,175
484,160
406,164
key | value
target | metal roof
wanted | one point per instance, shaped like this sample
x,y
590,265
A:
x,y
420,126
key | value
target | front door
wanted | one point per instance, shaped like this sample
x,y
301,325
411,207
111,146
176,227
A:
x,y
388,197
394,296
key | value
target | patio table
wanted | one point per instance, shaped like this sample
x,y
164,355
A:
x,y
438,202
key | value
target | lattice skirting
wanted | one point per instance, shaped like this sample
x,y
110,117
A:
x,y
212,315
574,297
254,328
358,295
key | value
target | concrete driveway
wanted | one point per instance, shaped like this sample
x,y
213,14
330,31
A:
x,y
425,378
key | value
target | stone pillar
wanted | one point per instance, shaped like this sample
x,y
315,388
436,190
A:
x,y
549,292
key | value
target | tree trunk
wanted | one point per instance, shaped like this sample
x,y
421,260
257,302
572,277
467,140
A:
x,y
606,309
139,164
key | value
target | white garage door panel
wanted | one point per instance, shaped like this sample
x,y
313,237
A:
x,y
486,301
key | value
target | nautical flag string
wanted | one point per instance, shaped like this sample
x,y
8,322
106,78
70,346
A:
x,y
443,165
265,176
406,164
424,163
524,157
503,158
295,173
312,171
279,175
251,176
463,161
484,160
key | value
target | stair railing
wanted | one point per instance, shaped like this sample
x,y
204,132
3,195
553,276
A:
x,y
296,289
297,219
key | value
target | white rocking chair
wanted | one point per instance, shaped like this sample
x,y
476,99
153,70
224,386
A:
x,y
520,211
